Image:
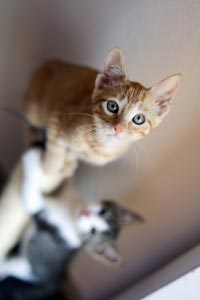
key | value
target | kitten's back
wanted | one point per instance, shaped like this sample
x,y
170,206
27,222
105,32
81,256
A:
x,y
54,85
48,253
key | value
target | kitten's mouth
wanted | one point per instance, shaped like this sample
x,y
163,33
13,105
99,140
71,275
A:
x,y
115,134
117,131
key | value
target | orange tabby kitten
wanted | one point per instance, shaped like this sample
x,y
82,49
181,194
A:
x,y
92,116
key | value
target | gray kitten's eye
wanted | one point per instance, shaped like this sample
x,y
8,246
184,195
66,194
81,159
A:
x,y
93,230
139,119
113,107
102,211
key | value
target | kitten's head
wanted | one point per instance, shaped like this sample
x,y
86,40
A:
x,y
125,109
99,226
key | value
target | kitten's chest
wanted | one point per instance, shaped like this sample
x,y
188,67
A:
x,y
58,217
98,152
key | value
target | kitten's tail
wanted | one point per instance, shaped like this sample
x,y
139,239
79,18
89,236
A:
x,y
15,113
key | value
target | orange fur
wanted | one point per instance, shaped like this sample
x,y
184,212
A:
x,y
70,102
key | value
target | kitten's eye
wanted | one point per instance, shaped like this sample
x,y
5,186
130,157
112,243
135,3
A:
x,y
113,107
102,211
139,119
93,230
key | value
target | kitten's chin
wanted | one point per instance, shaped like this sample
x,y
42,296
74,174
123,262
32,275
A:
x,y
118,136
110,136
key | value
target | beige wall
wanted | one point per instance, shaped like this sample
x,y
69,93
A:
x,y
158,38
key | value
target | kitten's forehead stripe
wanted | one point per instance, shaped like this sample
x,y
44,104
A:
x,y
133,91
137,92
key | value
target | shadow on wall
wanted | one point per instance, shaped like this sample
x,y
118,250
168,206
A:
x,y
27,31
2,178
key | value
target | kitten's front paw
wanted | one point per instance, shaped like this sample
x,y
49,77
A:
x,y
32,160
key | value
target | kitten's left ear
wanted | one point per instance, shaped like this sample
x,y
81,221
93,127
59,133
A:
x,y
164,92
113,69
107,253
127,216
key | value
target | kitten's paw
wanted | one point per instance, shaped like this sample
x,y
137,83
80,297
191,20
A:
x,y
50,183
32,172
69,167
32,158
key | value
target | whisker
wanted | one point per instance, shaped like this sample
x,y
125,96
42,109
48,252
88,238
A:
x,y
144,151
84,126
95,128
85,114
125,157
137,158
88,128
122,161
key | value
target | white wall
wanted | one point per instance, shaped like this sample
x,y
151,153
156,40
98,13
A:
x,y
158,38
183,289
179,278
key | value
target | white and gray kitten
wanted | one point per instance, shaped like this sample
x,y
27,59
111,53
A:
x,y
53,238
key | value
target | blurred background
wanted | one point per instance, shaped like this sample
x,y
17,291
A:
x,y
160,176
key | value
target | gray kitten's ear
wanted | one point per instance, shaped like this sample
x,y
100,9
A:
x,y
107,253
113,69
127,216
163,93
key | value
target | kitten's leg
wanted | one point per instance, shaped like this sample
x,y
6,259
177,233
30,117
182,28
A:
x,y
58,164
13,216
32,174
16,267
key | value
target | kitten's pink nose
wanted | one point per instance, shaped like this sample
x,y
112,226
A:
x,y
86,212
119,128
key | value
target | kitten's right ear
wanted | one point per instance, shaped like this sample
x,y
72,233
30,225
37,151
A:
x,y
163,94
113,69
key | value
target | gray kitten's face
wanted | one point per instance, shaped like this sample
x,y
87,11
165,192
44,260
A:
x,y
93,222
99,226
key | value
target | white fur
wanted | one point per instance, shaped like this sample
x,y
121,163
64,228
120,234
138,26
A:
x,y
17,267
60,217
34,201
86,223
13,217
31,194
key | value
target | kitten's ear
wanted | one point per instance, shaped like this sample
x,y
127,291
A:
x,y
107,253
164,92
127,216
113,69
114,64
